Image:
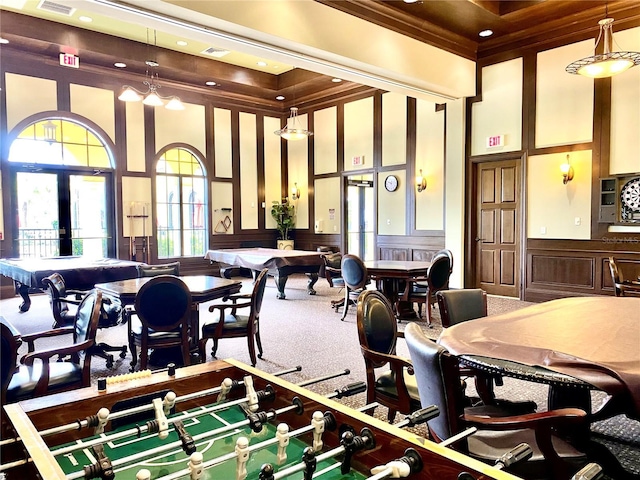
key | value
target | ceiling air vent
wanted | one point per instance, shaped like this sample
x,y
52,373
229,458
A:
x,y
58,8
215,52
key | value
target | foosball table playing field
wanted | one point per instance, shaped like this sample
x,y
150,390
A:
x,y
217,420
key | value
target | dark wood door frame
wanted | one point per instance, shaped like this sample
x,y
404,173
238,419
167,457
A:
x,y
471,253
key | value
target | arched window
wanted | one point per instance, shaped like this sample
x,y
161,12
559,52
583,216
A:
x,y
180,204
63,172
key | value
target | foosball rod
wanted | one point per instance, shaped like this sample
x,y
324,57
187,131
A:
x,y
324,378
232,455
80,424
196,438
140,429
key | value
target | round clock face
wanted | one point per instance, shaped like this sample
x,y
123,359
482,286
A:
x,y
630,194
391,183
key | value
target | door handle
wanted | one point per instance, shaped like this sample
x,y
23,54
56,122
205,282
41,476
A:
x,y
479,239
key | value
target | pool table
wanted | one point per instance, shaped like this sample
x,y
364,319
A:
x,y
281,263
80,273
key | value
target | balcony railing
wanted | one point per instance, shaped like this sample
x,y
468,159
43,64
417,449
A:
x,y
45,242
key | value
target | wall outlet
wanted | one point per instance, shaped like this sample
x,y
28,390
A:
x,y
543,230
577,221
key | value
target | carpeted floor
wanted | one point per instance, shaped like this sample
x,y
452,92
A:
x,y
304,330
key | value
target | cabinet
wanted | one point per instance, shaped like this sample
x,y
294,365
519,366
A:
x,y
608,200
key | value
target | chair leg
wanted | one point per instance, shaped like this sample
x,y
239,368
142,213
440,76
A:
x,y
215,348
134,356
186,355
427,307
346,305
391,415
259,342
202,345
252,350
144,358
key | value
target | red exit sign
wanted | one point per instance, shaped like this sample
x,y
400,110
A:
x,y
68,60
495,141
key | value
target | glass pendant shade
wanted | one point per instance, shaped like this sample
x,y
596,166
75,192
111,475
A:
x,y
129,95
293,130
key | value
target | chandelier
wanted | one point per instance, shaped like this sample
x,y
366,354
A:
x,y
607,63
293,130
150,96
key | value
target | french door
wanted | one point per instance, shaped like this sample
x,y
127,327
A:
x,y
360,216
63,212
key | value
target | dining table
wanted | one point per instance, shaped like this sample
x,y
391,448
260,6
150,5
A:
x,y
574,345
394,278
203,288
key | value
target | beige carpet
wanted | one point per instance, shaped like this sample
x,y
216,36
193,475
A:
x,y
304,330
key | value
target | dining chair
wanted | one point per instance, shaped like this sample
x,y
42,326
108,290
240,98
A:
x,y
437,278
235,325
145,270
438,381
622,286
378,333
355,276
35,374
111,313
163,306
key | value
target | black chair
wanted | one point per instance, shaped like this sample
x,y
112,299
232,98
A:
x,y
331,269
111,313
145,270
233,325
622,287
436,373
163,306
437,278
356,278
36,375
378,332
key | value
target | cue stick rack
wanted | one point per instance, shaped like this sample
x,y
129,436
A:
x,y
138,213
223,225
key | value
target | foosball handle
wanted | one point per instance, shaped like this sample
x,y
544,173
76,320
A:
x,y
590,471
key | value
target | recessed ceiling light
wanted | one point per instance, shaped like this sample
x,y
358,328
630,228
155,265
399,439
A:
x,y
262,64
182,43
211,83
412,1
280,97
336,80
3,40
120,65
486,33
85,19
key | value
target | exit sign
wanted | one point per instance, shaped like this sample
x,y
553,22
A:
x,y
68,60
358,160
495,141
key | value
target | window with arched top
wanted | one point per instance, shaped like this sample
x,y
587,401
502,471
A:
x,y
181,204
62,169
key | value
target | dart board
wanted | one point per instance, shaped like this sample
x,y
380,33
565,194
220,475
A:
x,y
630,198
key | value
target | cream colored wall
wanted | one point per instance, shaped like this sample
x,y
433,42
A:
x,y
136,194
27,96
185,126
298,161
314,30
221,197
325,140
392,206
136,139
272,168
222,143
327,205
248,172
625,111
84,100
394,129
500,111
555,210
430,158
454,189
564,102
358,133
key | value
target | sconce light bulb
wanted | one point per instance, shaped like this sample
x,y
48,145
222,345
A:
x,y
421,182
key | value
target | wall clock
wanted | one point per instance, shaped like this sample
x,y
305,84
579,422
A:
x,y
391,183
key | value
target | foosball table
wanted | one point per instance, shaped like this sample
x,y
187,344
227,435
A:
x,y
217,420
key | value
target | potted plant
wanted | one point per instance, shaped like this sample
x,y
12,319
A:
x,y
284,215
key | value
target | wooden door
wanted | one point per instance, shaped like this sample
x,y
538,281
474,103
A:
x,y
498,227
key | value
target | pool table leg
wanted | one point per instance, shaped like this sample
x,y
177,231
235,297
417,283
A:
x,y
281,281
313,278
23,290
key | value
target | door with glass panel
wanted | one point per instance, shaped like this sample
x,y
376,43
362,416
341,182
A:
x,y
360,216
63,195
61,213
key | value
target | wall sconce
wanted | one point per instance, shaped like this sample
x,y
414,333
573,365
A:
x,y
49,131
567,171
421,182
295,192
